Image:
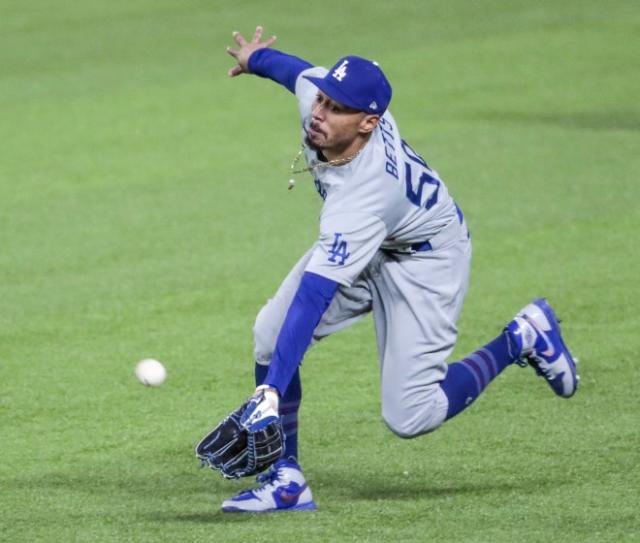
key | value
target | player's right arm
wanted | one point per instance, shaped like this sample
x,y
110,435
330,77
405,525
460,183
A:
x,y
256,57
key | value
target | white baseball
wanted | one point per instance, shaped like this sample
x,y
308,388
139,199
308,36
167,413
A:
x,y
150,372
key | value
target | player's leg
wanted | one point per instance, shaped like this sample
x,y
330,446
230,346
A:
x,y
417,300
417,303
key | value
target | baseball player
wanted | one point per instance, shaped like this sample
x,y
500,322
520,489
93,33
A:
x,y
392,242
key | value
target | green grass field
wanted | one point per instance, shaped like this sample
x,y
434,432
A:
x,y
144,213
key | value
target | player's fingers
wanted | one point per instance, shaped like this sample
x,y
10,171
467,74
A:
x,y
270,41
239,38
257,35
233,72
234,53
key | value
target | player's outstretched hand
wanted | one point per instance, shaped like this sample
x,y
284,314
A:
x,y
246,49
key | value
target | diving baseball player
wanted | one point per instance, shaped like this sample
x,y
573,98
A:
x,y
393,243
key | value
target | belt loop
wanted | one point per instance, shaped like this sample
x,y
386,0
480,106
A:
x,y
421,247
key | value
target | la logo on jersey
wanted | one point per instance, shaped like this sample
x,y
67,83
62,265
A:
x,y
338,251
341,71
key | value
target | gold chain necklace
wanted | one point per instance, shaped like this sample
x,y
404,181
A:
x,y
318,164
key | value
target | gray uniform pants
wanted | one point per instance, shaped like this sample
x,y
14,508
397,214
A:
x,y
416,300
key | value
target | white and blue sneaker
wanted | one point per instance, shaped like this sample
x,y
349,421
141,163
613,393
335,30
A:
x,y
283,489
537,341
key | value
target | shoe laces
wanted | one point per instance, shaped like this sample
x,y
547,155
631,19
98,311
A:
x,y
269,477
266,480
523,361
534,361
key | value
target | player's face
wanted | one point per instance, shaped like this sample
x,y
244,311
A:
x,y
334,127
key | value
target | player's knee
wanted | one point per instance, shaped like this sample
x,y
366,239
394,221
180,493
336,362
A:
x,y
410,422
401,430
406,428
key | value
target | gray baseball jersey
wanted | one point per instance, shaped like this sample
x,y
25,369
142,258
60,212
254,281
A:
x,y
387,197
393,238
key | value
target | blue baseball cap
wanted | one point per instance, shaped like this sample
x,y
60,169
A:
x,y
357,83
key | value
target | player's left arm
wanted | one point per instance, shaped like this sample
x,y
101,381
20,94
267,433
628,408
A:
x,y
256,57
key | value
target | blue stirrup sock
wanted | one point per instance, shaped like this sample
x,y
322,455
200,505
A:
x,y
467,378
289,406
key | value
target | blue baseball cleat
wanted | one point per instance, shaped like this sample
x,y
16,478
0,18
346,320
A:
x,y
283,489
536,340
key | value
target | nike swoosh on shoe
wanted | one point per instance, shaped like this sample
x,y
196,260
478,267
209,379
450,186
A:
x,y
291,498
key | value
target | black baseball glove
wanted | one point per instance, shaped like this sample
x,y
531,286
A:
x,y
236,452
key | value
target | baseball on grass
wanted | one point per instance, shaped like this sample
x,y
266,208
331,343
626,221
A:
x,y
150,372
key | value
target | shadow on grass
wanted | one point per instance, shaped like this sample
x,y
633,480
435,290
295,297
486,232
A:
x,y
194,491
364,486
215,516
377,488
594,120
381,489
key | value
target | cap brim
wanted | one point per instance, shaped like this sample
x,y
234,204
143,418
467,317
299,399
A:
x,y
333,92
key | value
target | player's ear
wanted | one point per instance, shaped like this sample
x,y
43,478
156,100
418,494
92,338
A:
x,y
368,123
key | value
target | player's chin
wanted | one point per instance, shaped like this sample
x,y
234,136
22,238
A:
x,y
315,141
316,136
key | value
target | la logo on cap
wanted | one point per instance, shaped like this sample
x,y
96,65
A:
x,y
341,71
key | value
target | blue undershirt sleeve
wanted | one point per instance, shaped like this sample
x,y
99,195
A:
x,y
277,66
309,304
